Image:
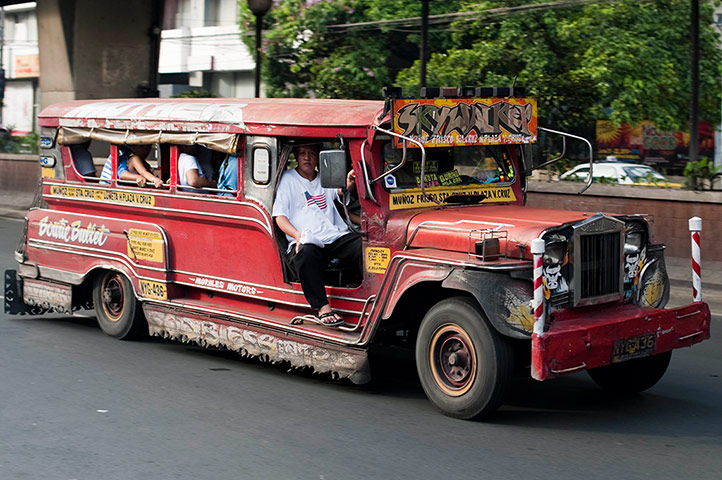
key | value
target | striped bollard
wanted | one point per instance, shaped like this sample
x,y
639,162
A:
x,y
537,250
695,226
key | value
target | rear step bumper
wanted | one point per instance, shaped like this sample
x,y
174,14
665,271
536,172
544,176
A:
x,y
615,335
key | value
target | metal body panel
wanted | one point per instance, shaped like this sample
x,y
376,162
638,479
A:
x,y
585,339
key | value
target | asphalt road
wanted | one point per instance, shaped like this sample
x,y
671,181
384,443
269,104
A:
x,y
75,404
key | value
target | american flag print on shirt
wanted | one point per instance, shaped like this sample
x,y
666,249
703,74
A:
x,y
318,200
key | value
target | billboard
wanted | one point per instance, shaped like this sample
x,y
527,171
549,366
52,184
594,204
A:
x,y
645,143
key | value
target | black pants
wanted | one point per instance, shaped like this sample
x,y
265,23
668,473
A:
x,y
311,260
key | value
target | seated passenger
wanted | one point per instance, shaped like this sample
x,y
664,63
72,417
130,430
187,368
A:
x,y
83,159
132,166
190,172
228,176
316,233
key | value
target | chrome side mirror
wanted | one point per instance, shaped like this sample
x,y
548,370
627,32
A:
x,y
332,168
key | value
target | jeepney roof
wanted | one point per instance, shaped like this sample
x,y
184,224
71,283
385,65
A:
x,y
269,116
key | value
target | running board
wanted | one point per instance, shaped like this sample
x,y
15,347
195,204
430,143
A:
x,y
268,344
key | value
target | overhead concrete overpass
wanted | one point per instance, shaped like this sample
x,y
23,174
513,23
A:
x,y
97,49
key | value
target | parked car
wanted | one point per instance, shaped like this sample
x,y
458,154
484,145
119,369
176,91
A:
x,y
621,173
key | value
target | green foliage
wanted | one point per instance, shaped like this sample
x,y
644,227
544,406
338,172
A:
x,y
624,61
700,175
195,93
19,144
305,56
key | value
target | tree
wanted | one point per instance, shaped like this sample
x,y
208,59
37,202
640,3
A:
x,y
625,60
305,56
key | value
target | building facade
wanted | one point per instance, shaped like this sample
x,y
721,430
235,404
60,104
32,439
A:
x,y
201,47
20,60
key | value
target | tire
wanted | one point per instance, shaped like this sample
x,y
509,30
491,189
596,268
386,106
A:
x,y
464,365
118,311
632,376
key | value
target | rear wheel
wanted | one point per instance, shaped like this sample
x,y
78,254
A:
x,y
464,365
633,376
118,311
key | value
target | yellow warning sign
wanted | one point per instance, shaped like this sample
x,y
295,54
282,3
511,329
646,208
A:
x,y
47,172
145,245
103,195
377,259
155,290
413,198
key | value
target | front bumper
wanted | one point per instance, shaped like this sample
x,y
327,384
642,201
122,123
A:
x,y
580,342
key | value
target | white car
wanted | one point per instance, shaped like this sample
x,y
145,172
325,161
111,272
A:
x,y
622,173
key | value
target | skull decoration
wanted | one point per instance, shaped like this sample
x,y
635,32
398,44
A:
x,y
553,279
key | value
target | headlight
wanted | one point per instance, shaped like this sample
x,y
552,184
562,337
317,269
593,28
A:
x,y
554,253
634,241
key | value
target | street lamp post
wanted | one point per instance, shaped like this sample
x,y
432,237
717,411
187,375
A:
x,y
259,9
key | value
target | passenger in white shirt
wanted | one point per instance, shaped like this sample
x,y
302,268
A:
x,y
190,173
316,233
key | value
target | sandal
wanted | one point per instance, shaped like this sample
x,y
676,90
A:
x,y
328,319
331,319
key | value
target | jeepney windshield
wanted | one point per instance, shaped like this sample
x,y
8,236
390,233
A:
x,y
450,167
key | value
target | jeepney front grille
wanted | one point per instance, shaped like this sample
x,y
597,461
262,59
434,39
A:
x,y
600,268
597,254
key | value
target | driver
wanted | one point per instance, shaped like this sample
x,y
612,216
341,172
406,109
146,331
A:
x,y
316,233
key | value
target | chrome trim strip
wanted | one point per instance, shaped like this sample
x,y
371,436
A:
x,y
691,335
686,315
572,369
64,247
251,284
130,266
266,226
271,299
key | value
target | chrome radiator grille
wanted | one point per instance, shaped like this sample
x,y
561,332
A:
x,y
601,266
598,274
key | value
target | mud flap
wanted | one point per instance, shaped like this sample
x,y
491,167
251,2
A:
x,y
14,304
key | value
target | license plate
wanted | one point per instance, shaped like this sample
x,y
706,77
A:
x,y
633,347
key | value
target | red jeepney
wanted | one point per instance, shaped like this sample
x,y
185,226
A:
x,y
447,244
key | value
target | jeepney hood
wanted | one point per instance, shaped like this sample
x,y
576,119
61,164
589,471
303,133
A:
x,y
456,229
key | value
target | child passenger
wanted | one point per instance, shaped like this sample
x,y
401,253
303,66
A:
x,y
132,166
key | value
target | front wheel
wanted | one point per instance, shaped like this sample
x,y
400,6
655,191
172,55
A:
x,y
464,365
118,311
632,376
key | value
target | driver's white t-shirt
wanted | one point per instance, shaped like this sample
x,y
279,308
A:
x,y
309,207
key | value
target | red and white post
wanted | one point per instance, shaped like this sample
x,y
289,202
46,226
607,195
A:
x,y
537,250
695,227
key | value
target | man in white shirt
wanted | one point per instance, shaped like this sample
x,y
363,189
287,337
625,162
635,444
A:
x,y
190,172
316,233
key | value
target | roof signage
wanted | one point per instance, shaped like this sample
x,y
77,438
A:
x,y
464,122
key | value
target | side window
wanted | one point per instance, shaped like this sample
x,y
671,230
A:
x,y
88,158
136,166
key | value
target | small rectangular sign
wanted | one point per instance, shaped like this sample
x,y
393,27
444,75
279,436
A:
x,y
46,142
377,259
413,198
145,245
155,290
47,161
465,121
